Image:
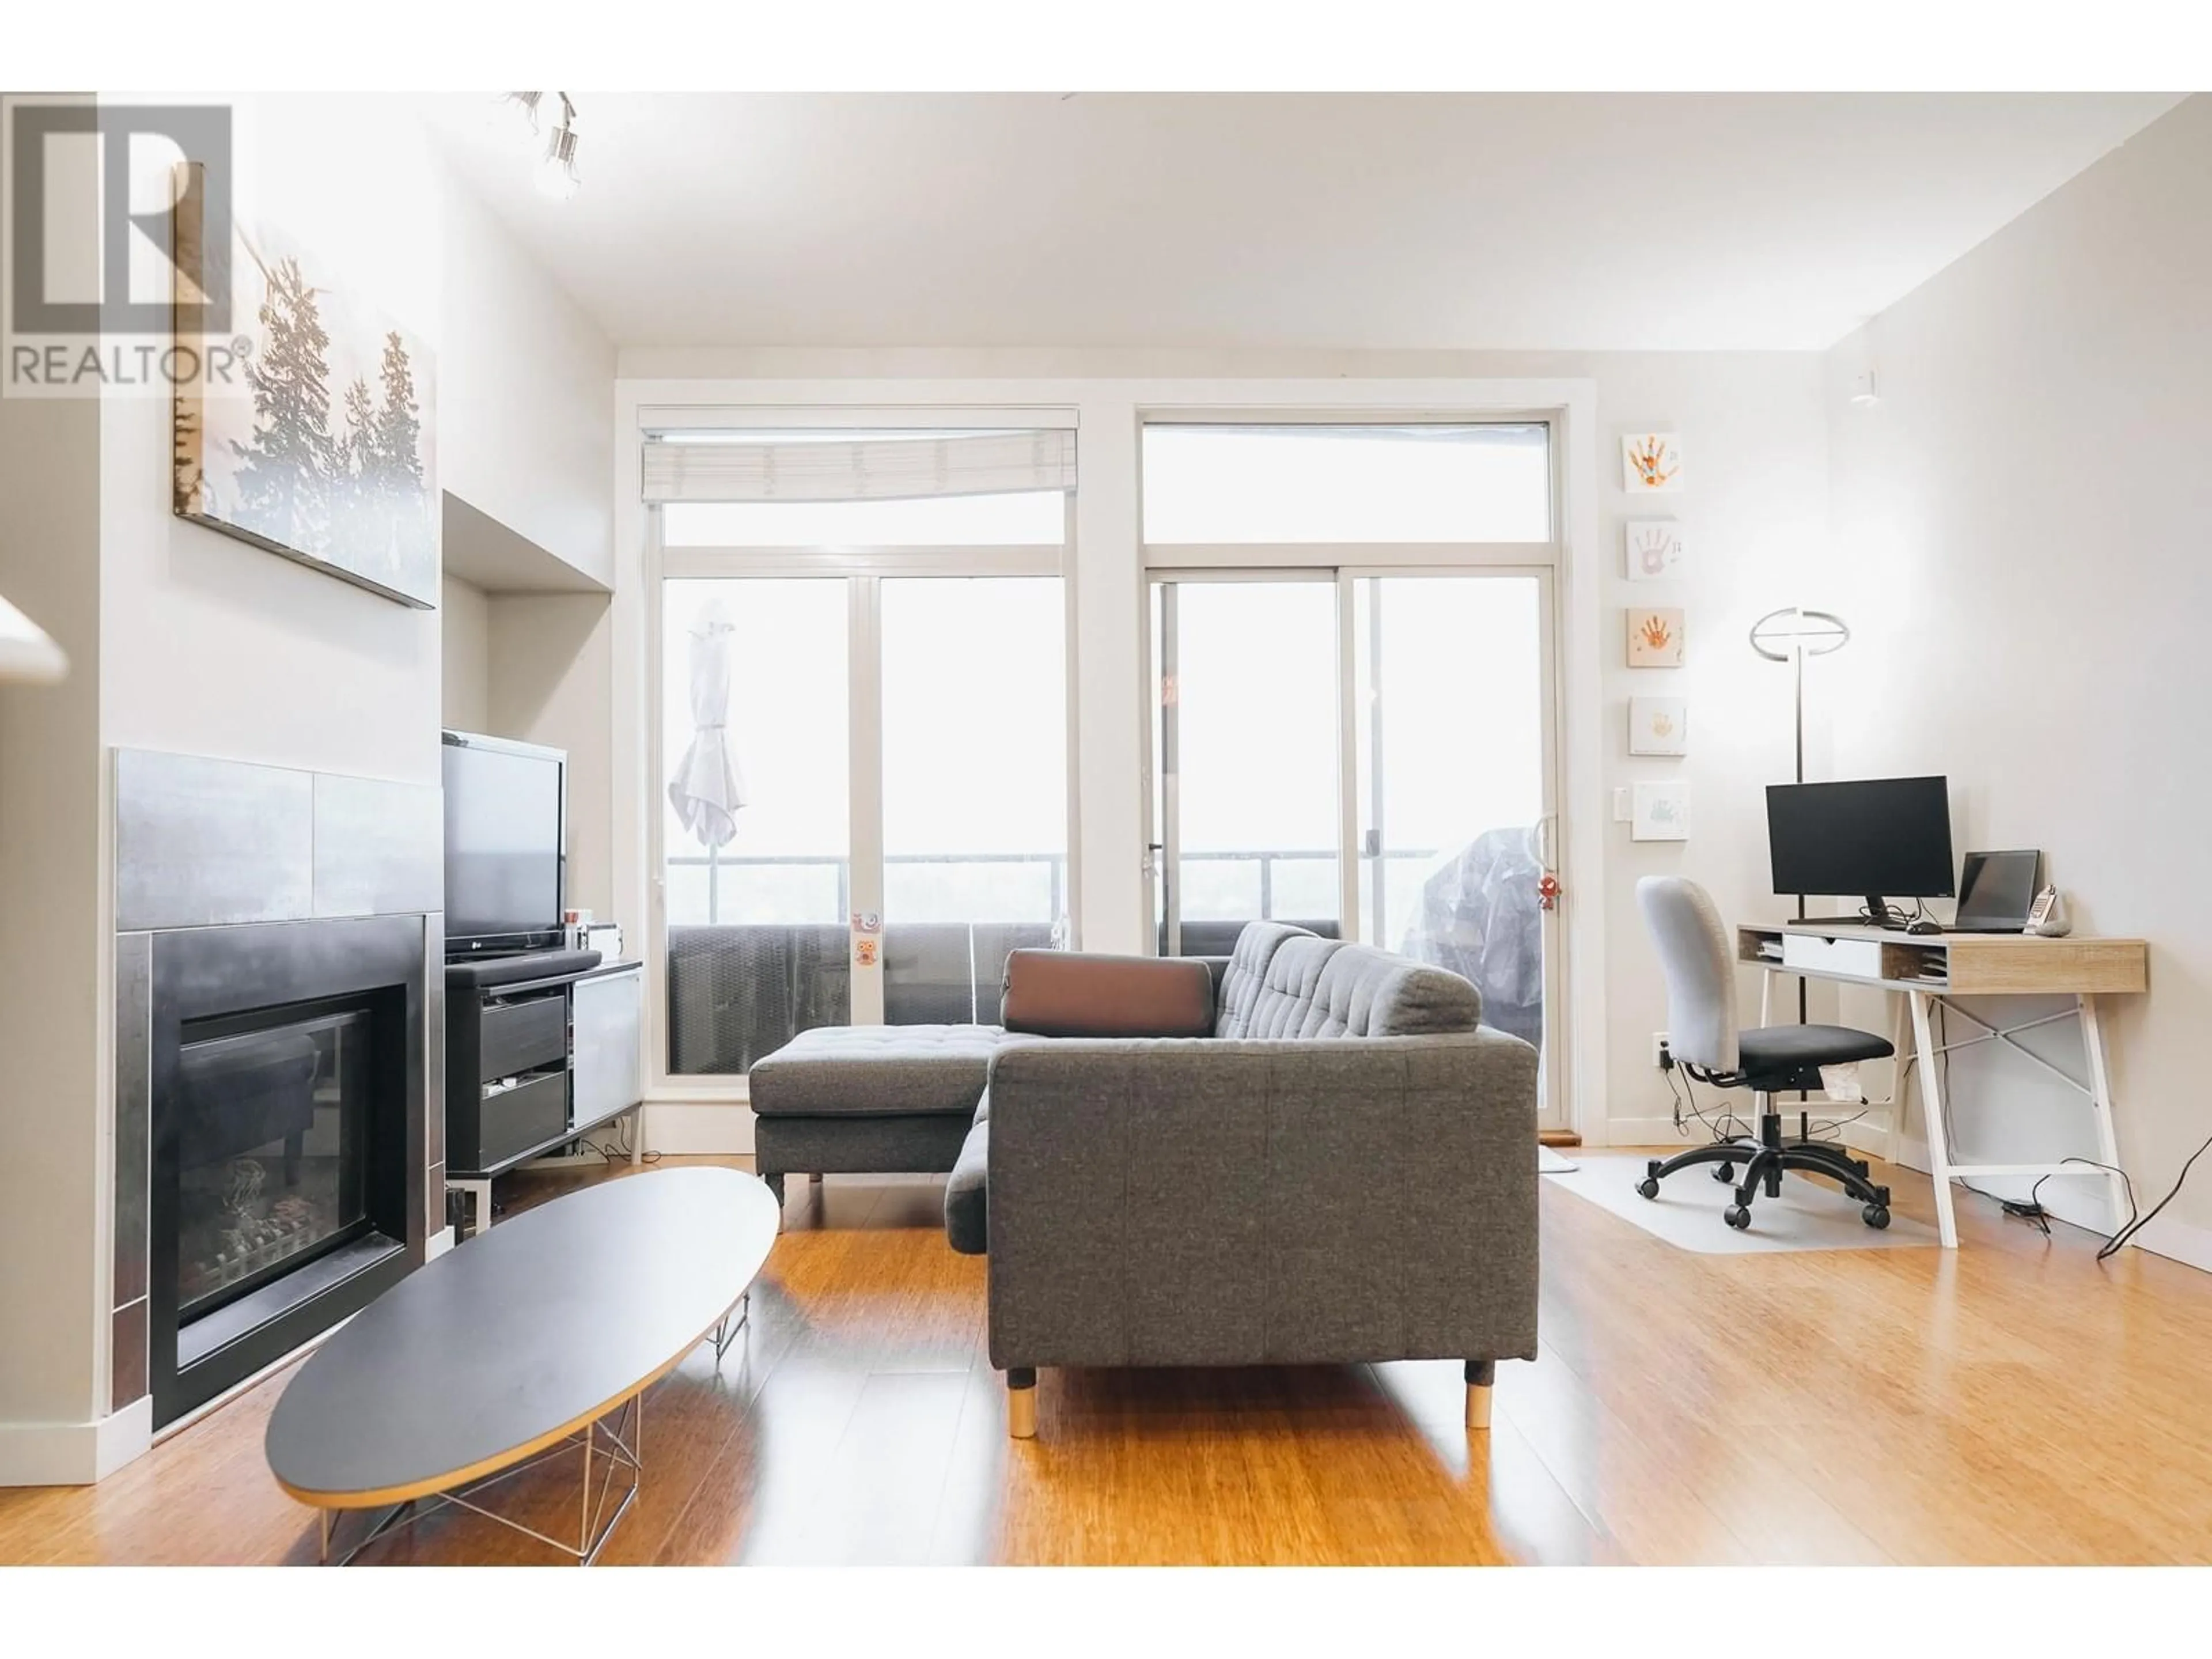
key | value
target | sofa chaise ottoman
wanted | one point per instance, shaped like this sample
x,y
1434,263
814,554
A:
x,y
868,1099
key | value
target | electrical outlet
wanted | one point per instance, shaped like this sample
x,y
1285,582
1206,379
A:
x,y
1663,1057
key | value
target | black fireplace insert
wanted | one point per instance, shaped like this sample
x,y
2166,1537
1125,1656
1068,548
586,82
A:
x,y
288,1107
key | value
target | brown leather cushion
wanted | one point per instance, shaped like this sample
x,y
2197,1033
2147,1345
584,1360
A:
x,y
1072,993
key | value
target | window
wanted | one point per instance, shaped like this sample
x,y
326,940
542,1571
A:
x,y
756,923
1353,725
1213,484
873,626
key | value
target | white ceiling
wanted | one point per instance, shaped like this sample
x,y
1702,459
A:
x,y
1500,221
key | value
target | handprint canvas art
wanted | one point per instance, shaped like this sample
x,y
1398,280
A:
x,y
1654,638
1658,726
1655,548
1651,463
1661,810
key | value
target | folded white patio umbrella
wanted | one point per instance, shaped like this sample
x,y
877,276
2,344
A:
x,y
705,788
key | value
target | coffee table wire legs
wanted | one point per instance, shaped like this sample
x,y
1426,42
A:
x,y
623,1432
726,1330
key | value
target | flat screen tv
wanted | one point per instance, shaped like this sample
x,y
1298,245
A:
x,y
505,840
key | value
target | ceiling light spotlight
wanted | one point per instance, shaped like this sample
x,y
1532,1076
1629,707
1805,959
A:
x,y
517,110
557,169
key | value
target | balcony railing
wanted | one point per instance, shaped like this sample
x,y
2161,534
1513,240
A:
x,y
741,987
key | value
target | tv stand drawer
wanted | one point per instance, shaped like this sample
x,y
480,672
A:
x,y
515,1119
522,1036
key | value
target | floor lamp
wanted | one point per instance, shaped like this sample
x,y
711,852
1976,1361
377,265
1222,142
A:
x,y
1791,634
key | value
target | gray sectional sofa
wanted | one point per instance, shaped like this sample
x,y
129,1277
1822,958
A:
x,y
1343,1169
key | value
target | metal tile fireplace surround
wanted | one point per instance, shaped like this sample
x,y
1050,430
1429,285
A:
x,y
279,1126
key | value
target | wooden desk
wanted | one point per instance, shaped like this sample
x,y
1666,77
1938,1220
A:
x,y
1925,970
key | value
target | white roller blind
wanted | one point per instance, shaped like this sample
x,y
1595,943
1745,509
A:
x,y
858,470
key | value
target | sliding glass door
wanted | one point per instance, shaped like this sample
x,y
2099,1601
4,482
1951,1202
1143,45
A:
x,y
1248,780
1354,696
1368,755
1452,738
898,749
862,747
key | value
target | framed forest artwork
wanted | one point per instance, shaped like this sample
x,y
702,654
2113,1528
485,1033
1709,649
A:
x,y
324,446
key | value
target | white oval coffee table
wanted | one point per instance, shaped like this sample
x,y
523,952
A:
x,y
535,1337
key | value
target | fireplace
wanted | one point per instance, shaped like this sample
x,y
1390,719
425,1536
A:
x,y
279,1120
286,1064
274,1118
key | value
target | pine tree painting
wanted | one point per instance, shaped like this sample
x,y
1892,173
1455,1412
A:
x,y
325,449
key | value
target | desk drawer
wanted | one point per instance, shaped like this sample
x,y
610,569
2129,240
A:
x,y
1847,959
521,1037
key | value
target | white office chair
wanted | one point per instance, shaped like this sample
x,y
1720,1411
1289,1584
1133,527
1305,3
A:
x,y
1699,965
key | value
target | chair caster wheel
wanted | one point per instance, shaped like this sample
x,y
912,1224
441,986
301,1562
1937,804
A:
x,y
1738,1217
1725,1174
1648,1186
1875,1216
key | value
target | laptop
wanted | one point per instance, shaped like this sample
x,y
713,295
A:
x,y
1996,891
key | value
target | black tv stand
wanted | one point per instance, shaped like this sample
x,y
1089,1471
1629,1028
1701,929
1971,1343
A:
x,y
541,1047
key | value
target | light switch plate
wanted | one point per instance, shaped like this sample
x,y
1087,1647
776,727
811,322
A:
x,y
1623,808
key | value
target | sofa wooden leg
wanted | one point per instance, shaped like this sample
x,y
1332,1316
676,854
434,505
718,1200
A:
x,y
1481,1374
1021,1402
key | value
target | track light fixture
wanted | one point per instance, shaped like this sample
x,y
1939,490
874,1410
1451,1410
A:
x,y
557,176
520,109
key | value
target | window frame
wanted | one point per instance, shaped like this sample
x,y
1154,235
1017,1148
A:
x,y
1231,554
1106,396
1344,563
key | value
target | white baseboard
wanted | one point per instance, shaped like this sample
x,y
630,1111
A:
x,y
437,1244
2085,1200
698,1127
2178,1241
74,1454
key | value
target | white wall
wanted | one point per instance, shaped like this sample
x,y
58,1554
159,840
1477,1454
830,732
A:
x,y
1755,432
1755,524
185,639
2020,527
465,654
526,384
551,681
214,647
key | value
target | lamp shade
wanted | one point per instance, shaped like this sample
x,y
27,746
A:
x,y
1781,635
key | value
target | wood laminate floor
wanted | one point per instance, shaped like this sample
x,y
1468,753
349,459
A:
x,y
2012,1401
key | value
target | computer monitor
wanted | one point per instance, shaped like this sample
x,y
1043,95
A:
x,y
1882,837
